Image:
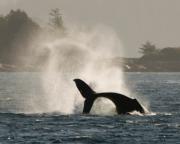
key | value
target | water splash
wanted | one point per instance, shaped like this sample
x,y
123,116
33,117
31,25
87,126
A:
x,y
85,54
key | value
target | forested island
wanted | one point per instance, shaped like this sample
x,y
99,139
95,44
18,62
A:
x,y
17,31
154,60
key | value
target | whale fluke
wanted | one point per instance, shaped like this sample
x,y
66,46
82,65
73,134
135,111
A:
x,y
123,104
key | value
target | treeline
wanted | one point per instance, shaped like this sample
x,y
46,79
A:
x,y
18,30
154,59
151,53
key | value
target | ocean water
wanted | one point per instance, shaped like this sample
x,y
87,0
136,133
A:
x,y
160,91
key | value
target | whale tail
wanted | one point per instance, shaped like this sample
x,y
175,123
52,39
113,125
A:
x,y
87,93
123,103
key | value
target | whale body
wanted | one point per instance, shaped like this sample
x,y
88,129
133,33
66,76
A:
x,y
123,104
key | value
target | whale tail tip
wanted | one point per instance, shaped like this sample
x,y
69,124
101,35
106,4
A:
x,y
84,88
87,93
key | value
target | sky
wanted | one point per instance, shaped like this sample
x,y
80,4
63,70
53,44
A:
x,y
135,21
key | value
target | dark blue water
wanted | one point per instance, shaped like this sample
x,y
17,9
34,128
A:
x,y
162,90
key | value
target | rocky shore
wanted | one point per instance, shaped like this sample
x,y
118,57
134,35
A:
x,y
139,65
128,65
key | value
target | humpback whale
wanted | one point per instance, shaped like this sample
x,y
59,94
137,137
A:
x,y
123,104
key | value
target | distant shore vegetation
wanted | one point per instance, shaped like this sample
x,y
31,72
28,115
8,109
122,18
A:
x,y
17,31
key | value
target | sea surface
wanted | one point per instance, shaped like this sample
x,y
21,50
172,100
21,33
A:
x,y
161,91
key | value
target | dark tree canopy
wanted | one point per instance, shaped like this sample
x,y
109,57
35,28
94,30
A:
x,y
151,53
170,53
16,29
148,48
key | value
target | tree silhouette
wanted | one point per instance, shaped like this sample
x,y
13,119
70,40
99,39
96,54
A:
x,y
56,21
148,49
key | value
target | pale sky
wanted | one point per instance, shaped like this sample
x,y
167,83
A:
x,y
135,21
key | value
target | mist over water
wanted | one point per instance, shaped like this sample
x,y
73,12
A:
x,y
85,54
